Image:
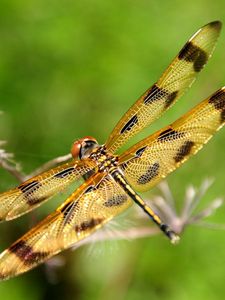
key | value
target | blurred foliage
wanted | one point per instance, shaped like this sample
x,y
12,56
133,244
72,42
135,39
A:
x,y
72,68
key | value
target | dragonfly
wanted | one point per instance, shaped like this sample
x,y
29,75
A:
x,y
113,182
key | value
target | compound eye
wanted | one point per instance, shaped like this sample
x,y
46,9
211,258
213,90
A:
x,y
75,149
83,147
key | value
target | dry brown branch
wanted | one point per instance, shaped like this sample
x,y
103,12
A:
x,y
7,163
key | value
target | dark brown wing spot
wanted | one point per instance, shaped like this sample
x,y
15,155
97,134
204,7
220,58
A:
x,y
222,116
88,224
130,124
116,200
140,151
69,210
26,254
35,200
218,100
64,173
170,98
184,150
193,54
169,134
26,187
151,173
216,24
155,94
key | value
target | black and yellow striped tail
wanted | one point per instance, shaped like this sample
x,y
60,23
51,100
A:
x,y
119,178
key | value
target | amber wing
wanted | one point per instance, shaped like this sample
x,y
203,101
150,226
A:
x,y
93,204
175,80
39,189
153,158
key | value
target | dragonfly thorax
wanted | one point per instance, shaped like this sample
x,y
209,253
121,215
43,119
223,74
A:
x,y
104,159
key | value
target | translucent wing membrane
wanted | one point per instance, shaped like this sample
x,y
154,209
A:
x,y
39,189
175,80
152,159
87,209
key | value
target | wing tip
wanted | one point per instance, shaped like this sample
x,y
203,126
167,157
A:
x,y
218,101
220,91
215,25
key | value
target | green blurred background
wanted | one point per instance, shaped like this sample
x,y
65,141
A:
x,y
72,68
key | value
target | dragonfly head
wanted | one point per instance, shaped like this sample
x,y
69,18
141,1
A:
x,y
83,147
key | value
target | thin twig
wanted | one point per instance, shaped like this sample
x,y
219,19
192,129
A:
x,y
13,171
10,166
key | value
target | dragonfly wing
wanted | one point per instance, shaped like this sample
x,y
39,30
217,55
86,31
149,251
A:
x,y
93,204
40,188
153,158
175,80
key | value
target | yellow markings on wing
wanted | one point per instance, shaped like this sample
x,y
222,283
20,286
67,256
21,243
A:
x,y
153,158
39,189
175,80
93,204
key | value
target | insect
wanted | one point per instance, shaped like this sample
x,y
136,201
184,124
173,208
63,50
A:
x,y
112,182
